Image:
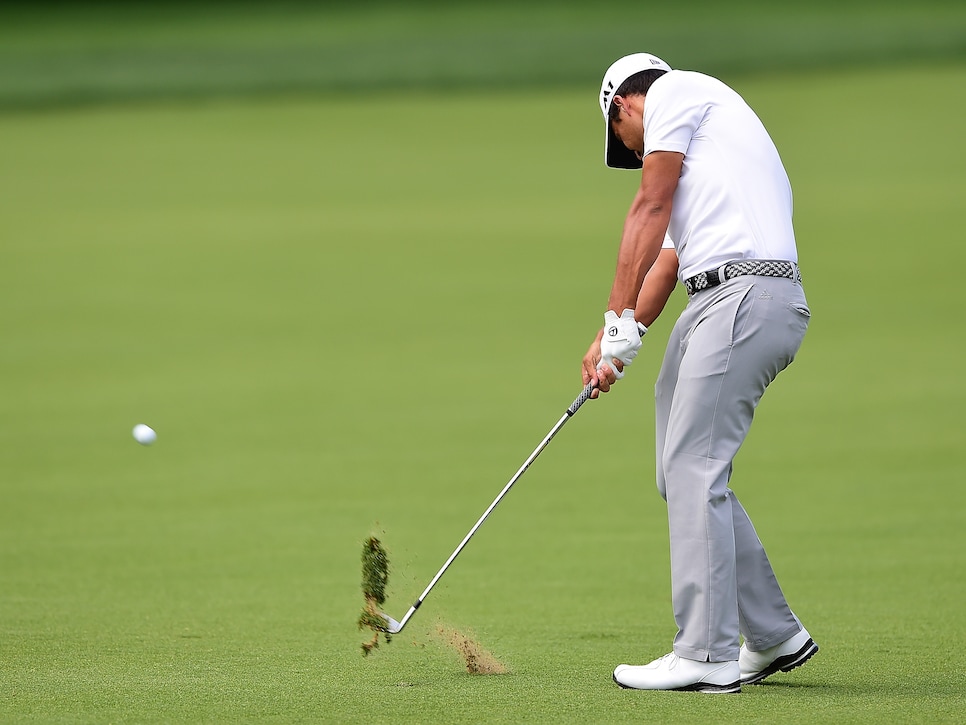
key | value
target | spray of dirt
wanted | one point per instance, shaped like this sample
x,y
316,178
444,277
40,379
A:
x,y
375,576
479,661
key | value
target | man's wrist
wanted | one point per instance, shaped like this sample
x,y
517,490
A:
x,y
627,315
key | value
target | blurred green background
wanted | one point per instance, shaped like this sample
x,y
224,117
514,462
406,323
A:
x,y
346,258
52,53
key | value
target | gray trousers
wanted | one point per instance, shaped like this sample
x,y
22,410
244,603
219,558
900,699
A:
x,y
730,342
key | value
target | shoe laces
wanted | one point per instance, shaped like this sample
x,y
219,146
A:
x,y
671,659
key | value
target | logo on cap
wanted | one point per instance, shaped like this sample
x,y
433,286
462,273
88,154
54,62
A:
x,y
605,95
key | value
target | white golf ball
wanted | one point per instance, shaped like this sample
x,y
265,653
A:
x,y
144,434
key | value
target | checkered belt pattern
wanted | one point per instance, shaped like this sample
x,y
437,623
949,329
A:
x,y
755,267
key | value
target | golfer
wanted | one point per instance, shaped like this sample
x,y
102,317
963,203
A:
x,y
714,210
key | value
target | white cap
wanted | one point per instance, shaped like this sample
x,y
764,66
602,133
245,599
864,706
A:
x,y
616,154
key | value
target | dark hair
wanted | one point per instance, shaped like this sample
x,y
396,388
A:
x,y
637,85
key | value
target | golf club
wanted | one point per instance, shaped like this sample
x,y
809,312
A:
x,y
393,626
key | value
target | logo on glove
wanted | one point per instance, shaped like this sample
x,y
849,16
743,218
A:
x,y
612,331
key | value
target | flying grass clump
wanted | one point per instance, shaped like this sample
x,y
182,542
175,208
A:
x,y
375,576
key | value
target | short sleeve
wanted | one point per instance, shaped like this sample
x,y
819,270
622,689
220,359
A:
x,y
672,114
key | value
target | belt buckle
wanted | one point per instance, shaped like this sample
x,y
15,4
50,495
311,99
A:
x,y
718,275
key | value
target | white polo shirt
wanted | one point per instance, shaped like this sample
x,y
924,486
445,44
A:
x,y
733,200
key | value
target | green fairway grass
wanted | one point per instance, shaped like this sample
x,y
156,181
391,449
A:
x,y
354,317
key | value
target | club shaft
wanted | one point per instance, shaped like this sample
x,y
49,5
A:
x,y
580,400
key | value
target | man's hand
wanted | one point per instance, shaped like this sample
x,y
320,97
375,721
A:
x,y
621,340
603,370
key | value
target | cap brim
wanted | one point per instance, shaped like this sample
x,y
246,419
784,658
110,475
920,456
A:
x,y
617,155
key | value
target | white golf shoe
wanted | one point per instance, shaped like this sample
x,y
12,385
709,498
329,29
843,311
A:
x,y
792,653
677,673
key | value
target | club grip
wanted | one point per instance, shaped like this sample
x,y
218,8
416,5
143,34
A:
x,y
581,399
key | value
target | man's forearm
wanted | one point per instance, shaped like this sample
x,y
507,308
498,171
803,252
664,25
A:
x,y
644,229
640,246
657,288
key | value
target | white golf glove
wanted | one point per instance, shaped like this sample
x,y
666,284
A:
x,y
621,340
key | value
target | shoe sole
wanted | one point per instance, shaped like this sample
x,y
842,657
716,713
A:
x,y
784,664
706,688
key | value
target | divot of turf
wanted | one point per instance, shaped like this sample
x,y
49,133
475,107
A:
x,y
479,661
375,576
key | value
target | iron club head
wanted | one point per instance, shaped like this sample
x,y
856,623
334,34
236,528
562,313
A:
x,y
392,626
